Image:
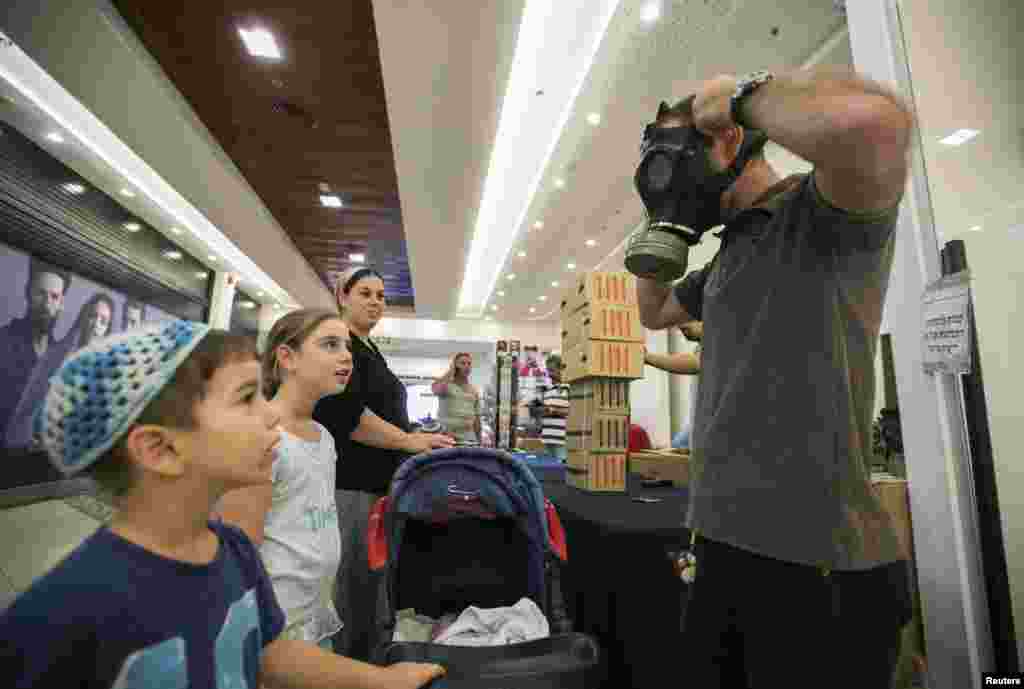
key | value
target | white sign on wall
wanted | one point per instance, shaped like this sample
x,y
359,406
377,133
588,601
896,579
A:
x,y
946,331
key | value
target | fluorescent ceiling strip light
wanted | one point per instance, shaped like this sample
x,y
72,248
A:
x,y
22,73
960,136
260,43
515,171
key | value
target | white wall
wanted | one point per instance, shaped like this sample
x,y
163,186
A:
x,y
649,396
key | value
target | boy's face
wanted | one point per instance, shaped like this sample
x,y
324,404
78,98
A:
x,y
232,443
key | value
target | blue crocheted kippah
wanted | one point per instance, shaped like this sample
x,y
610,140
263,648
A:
x,y
99,391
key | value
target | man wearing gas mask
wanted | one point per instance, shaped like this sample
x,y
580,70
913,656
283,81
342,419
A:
x,y
797,570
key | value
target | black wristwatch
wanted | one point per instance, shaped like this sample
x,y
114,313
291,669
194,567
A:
x,y
744,88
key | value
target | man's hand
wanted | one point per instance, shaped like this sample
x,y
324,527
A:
x,y
410,675
712,106
425,442
693,330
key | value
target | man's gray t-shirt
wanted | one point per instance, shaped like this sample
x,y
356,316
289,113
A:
x,y
792,306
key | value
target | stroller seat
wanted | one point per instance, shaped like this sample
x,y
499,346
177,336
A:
x,y
469,526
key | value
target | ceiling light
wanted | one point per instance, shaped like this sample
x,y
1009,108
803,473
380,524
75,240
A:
x,y
591,242
128,193
533,309
55,137
570,266
277,306
357,258
132,226
650,12
594,118
539,225
976,228
555,283
260,43
176,230
212,258
521,254
248,305
542,297
960,136
494,307
73,188
501,293
330,201
510,276
201,275
488,318
559,182
259,294
172,255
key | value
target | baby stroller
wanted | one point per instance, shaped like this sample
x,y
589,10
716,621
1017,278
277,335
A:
x,y
470,526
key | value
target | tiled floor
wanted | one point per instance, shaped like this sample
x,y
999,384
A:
x,y
34,538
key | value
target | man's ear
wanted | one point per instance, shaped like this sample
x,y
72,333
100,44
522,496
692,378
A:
x,y
154,448
729,142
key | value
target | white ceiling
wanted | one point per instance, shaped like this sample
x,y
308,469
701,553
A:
x,y
443,103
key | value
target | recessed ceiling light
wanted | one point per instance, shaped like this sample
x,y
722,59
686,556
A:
x,y
173,255
357,258
555,283
533,309
259,294
591,242
976,228
570,266
128,193
260,43
132,226
542,297
510,276
73,188
330,201
501,293
521,254
539,225
247,305
594,118
960,136
559,182
212,257
55,137
650,12
176,230
201,275
494,307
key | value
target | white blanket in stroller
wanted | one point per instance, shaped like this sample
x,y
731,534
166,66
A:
x,y
521,622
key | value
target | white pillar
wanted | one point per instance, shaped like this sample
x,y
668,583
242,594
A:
x,y
957,637
223,298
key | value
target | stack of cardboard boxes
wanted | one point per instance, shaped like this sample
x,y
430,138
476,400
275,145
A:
x,y
602,350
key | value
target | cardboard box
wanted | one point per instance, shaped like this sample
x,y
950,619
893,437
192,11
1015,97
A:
x,y
599,396
598,288
893,495
603,433
661,465
603,359
602,322
597,472
530,444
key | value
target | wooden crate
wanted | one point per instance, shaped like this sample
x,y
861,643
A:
x,y
597,288
603,359
663,465
602,322
600,395
597,472
603,433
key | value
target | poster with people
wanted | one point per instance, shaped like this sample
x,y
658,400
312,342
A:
x,y
48,313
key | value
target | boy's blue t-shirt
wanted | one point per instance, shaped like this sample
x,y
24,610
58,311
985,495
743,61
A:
x,y
117,616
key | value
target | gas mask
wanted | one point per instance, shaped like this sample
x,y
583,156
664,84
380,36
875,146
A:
x,y
682,195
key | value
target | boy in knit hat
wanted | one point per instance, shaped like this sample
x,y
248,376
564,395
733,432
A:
x,y
167,418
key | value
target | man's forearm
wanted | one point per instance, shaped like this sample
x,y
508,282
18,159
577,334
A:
x,y
651,297
291,664
812,112
376,432
681,363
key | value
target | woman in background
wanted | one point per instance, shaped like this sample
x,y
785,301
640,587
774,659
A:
x,y
459,400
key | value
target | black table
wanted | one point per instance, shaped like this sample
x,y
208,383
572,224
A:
x,y
619,585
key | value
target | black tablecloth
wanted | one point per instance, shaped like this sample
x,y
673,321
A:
x,y
619,584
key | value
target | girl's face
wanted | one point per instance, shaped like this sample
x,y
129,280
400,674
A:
x,y
322,364
99,320
365,303
463,366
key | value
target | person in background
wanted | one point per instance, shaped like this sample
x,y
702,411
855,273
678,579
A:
x,y
638,438
94,320
369,422
682,363
162,596
24,341
556,409
293,520
459,400
133,314
779,490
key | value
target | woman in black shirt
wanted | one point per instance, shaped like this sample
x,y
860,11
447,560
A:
x,y
369,422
